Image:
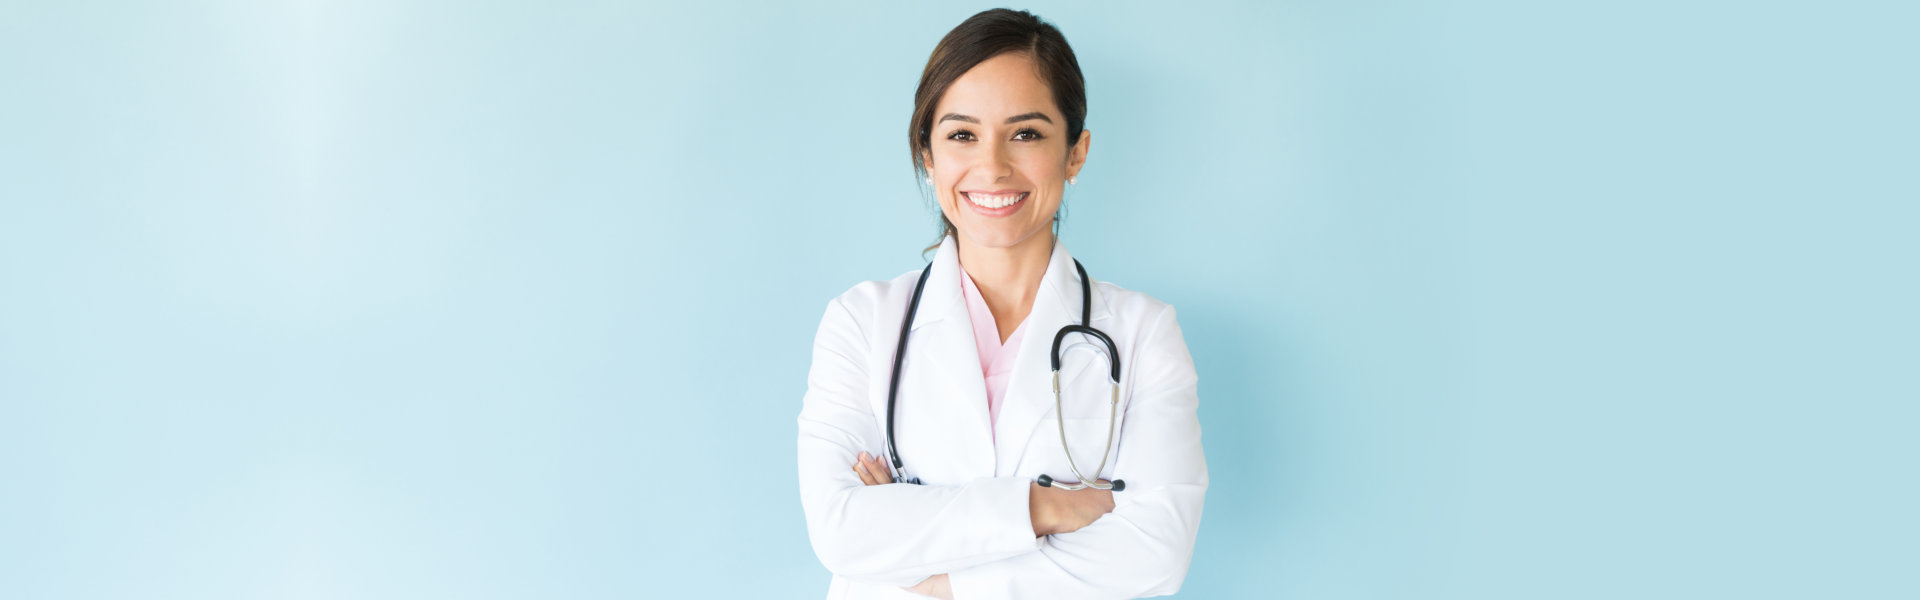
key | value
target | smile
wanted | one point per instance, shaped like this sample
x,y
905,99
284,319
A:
x,y
996,204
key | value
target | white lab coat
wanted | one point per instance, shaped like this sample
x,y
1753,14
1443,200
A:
x,y
970,519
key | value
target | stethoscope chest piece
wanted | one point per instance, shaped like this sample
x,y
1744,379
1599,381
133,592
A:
x,y
1118,485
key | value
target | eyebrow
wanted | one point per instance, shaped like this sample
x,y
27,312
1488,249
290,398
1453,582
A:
x,y
1010,120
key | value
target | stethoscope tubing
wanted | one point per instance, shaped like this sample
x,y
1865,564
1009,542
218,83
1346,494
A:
x,y
900,353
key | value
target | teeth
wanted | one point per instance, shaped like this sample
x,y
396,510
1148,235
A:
x,y
994,201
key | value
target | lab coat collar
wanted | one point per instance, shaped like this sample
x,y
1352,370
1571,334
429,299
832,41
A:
x,y
940,300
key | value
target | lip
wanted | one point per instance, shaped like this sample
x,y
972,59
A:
x,y
996,212
993,192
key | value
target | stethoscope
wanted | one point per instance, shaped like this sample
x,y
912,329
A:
x,y
1086,327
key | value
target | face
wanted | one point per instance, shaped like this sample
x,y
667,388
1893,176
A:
x,y
999,156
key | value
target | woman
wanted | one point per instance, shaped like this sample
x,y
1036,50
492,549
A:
x,y
997,130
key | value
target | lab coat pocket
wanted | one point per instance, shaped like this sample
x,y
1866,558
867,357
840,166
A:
x,y
1085,393
1087,437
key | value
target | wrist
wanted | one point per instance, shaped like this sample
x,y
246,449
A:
x,y
1040,509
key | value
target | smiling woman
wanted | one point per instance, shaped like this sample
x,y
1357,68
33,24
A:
x,y
995,503
1000,155
1000,63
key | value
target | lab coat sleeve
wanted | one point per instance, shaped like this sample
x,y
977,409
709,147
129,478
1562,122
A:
x,y
893,533
1143,547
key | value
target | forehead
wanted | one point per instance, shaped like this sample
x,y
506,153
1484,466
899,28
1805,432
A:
x,y
1005,85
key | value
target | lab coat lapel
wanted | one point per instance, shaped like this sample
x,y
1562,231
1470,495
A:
x,y
948,392
1029,397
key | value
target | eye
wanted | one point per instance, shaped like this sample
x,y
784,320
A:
x,y
1029,132
960,135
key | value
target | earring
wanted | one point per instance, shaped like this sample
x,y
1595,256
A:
x,y
1070,180
929,181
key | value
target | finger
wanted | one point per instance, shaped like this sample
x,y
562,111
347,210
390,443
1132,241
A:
x,y
860,467
880,471
871,465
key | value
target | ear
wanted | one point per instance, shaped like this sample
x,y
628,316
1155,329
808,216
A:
x,y
1077,155
926,160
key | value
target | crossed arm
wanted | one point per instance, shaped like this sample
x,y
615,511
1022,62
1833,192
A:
x,y
981,536
1053,510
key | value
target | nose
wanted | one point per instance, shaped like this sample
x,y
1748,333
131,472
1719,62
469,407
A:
x,y
997,163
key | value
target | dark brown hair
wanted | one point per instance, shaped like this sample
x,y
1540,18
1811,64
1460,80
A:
x,y
983,36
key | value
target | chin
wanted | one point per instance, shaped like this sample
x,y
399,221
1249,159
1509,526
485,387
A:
x,y
998,237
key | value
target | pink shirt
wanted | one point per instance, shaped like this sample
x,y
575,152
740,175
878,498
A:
x,y
996,358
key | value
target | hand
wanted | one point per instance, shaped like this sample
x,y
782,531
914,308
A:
x,y
872,471
1055,510
935,586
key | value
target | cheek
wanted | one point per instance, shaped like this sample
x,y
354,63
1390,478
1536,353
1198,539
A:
x,y
1050,178
1044,169
945,197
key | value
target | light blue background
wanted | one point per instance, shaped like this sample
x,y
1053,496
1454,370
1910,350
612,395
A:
x,y
378,299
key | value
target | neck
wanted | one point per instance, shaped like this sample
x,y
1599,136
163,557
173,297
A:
x,y
1008,278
